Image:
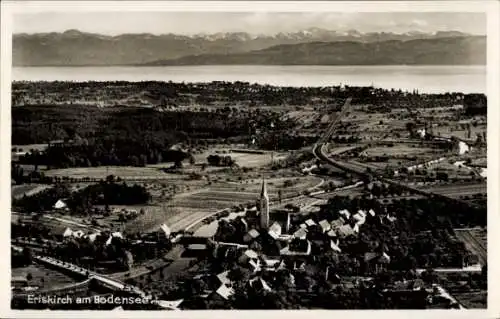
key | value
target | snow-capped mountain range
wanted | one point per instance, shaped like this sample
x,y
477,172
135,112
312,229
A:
x,y
74,47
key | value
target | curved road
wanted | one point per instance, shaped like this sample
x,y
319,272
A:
x,y
319,152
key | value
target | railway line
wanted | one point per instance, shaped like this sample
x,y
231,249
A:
x,y
473,244
319,151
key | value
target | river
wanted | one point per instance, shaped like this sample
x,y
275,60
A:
x,y
426,79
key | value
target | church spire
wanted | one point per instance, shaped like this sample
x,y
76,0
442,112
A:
x,y
264,206
263,192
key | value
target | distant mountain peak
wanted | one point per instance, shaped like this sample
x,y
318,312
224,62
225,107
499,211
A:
x,y
73,32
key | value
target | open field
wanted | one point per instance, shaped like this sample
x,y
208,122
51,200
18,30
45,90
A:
x,y
452,170
372,126
357,191
398,150
124,172
19,191
305,118
456,190
185,209
241,159
154,216
481,161
449,131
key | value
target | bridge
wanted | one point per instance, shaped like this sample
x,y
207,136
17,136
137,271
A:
x,y
220,243
108,282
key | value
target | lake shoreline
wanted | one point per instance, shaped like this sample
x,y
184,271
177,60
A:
x,y
425,79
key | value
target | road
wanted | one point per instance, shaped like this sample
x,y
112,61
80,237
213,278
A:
x,y
326,137
319,152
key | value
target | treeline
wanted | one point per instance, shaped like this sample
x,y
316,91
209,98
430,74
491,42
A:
x,y
107,193
80,202
475,104
101,152
40,124
217,160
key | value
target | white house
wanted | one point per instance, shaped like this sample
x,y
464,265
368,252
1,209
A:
x,y
345,213
310,223
223,277
60,204
172,305
68,232
225,291
332,233
92,237
325,225
301,233
275,230
463,148
251,235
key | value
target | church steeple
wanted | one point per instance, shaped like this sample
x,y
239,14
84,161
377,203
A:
x,y
264,206
263,192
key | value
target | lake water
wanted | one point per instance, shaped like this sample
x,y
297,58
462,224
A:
x,y
430,79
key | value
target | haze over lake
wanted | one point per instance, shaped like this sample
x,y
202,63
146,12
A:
x,y
429,79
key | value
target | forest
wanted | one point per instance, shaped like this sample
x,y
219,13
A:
x,y
135,136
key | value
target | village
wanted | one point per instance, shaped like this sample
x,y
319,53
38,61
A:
x,y
340,221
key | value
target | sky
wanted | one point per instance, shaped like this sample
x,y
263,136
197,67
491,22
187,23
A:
x,y
188,23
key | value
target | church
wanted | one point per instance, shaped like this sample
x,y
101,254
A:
x,y
275,222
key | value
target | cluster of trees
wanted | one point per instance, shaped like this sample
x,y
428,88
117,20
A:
x,y
345,139
41,201
217,160
475,104
80,202
107,193
21,259
104,152
383,189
